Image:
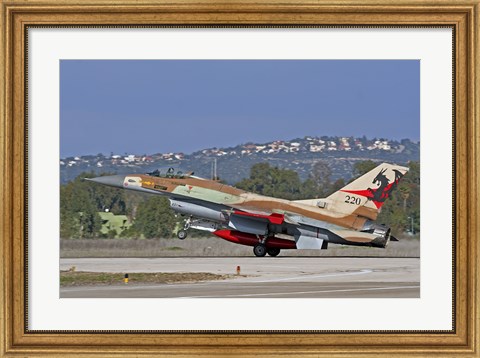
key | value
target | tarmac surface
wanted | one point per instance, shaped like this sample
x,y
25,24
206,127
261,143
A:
x,y
267,277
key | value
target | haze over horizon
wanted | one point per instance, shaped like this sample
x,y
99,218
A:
x,y
140,106
219,147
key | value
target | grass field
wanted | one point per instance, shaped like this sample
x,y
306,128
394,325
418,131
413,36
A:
x,y
194,247
72,278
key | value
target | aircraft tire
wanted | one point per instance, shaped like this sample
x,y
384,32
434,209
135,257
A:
x,y
260,250
182,234
273,251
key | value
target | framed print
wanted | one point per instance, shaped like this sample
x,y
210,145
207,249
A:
x,y
340,137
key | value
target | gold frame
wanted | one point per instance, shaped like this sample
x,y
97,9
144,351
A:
x,y
463,16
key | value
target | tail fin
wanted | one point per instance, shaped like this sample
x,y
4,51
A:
x,y
370,190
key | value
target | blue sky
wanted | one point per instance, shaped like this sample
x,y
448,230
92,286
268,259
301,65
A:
x,y
157,106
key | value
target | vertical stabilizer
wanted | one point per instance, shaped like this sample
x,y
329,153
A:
x,y
370,191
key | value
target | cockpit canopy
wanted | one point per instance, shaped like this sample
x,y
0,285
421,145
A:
x,y
170,173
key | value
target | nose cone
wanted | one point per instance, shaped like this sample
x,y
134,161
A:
x,y
110,180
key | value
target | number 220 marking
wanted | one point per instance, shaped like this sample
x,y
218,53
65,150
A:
x,y
352,200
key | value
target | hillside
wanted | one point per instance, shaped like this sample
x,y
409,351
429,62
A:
x,y
233,163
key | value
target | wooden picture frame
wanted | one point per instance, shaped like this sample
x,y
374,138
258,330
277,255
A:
x,y
16,16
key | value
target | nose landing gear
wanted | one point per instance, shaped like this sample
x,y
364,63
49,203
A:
x,y
182,234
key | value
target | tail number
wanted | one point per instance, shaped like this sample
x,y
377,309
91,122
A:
x,y
352,200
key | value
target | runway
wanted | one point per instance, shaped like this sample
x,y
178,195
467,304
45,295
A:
x,y
280,277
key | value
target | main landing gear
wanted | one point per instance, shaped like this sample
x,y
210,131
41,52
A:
x,y
273,251
261,250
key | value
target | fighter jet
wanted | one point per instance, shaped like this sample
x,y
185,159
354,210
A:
x,y
346,217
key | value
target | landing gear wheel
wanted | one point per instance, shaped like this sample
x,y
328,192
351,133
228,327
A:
x,y
273,251
182,234
260,250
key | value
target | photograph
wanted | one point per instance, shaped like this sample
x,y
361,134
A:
x,y
239,179
266,178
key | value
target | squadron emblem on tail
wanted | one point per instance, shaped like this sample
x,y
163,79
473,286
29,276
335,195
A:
x,y
382,193
385,187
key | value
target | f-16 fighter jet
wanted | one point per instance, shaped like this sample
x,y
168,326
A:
x,y
269,224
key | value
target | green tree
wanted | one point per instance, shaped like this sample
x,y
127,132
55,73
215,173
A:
x,y
104,197
154,219
403,206
363,167
309,190
337,185
80,202
321,176
78,214
319,183
272,181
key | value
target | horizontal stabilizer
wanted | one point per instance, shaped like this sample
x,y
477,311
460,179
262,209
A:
x,y
308,242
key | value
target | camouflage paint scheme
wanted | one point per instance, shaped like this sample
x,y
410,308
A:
x,y
345,217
